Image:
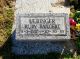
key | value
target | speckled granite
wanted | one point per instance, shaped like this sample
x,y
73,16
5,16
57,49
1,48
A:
x,y
36,47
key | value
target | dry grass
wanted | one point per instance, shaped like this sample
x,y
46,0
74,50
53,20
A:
x,y
6,20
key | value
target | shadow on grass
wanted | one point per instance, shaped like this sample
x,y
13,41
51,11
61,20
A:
x,y
5,50
5,53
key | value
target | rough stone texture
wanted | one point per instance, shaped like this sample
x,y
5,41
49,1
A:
x,y
37,47
60,19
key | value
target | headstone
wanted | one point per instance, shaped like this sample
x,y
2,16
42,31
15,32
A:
x,y
43,21
42,26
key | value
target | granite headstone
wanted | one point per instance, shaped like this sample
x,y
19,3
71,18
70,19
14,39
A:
x,y
38,25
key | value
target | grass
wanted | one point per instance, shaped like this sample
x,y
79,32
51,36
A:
x,y
6,21
78,57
